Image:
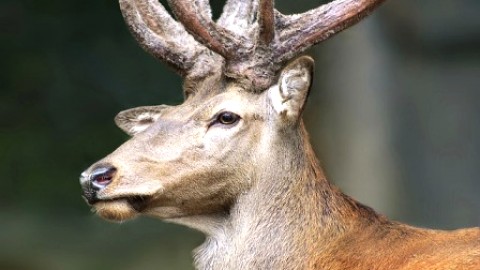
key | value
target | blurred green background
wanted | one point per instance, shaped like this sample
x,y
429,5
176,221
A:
x,y
394,117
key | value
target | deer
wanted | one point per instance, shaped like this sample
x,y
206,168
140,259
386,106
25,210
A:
x,y
234,160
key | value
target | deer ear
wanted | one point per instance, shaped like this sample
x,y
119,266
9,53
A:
x,y
289,95
136,120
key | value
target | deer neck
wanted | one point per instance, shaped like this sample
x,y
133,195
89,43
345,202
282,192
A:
x,y
289,214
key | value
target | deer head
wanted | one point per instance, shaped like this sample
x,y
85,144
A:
x,y
244,98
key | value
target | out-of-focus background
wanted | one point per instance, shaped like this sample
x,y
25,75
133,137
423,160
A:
x,y
394,117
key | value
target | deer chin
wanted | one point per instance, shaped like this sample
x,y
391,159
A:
x,y
121,209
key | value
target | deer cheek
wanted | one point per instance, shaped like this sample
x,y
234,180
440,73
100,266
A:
x,y
116,211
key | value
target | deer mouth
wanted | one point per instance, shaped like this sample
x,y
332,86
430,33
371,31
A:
x,y
120,208
138,203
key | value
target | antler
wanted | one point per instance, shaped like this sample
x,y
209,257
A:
x,y
307,29
200,25
253,39
166,39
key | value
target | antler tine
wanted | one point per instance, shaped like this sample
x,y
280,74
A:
x,y
305,30
197,20
266,21
160,35
238,16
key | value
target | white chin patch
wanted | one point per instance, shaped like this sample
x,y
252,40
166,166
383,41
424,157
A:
x,y
118,210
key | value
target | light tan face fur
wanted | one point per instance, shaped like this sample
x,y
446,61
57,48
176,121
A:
x,y
182,161
186,162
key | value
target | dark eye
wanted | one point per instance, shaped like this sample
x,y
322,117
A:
x,y
227,118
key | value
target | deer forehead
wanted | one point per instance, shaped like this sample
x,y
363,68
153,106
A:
x,y
234,99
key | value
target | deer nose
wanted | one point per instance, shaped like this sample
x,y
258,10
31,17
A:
x,y
100,177
95,180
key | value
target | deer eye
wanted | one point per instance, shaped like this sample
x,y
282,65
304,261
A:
x,y
227,118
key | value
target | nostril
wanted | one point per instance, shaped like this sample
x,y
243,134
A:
x,y
102,176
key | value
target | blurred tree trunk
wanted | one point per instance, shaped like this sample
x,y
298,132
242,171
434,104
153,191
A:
x,y
394,113
351,100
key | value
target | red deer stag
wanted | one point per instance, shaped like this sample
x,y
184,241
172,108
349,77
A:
x,y
234,160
